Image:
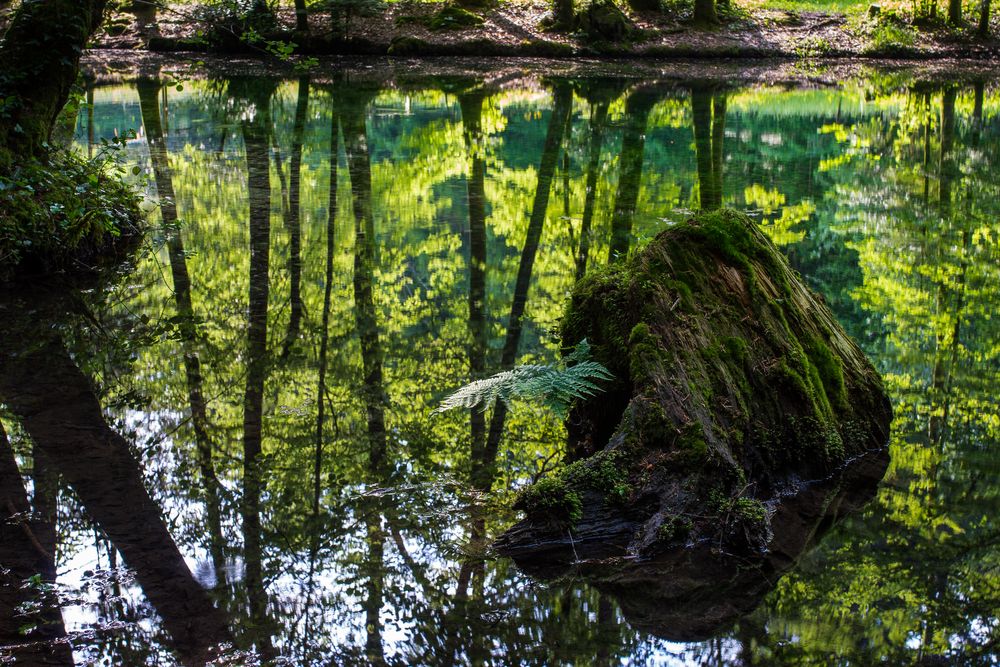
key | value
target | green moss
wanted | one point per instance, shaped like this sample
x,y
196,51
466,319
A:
x,y
675,527
644,353
550,500
606,472
451,17
830,372
692,444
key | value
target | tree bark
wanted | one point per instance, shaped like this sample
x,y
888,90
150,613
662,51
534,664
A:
x,y
301,17
39,60
955,12
704,12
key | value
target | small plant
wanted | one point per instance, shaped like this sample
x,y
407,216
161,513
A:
x,y
556,386
552,501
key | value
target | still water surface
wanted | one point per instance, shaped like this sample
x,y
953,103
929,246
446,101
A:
x,y
329,257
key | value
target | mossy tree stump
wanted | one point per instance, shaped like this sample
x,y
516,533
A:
x,y
735,386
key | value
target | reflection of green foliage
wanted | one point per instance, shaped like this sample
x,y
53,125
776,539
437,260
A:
x,y
918,563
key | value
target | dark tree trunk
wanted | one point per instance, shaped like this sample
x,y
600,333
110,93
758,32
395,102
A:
x,y
359,166
39,59
955,12
149,108
562,14
255,137
27,549
983,29
57,407
704,12
301,16
293,220
561,107
701,113
637,108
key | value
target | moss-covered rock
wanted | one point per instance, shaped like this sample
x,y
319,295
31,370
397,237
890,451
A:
x,y
451,17
734,385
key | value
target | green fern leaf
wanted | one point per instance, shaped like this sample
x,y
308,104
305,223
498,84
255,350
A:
x,y
573,378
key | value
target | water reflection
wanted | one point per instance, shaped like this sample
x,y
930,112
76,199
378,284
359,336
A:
x,y
330,256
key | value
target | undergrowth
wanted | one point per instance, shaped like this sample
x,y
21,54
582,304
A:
x,y
64,211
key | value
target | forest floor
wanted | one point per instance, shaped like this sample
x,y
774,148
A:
x,y
757,29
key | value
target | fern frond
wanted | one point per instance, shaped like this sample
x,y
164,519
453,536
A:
x,y
556,386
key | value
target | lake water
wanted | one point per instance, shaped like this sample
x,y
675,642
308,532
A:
x,y
330,255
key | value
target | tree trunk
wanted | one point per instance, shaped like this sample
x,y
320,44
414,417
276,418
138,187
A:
x,y
562,14
27,549
57,407
955,12
301,17
704,12
561,107
983,29
718,155
39,60
701,121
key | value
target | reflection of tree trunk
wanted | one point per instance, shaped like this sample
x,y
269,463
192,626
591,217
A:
x,y
637,107
598,116
324,340
148,91
472,112
57,407
356,144
946,177
359,166
562,101
255,137
708,118
27,549
718,156
374,583
293,220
